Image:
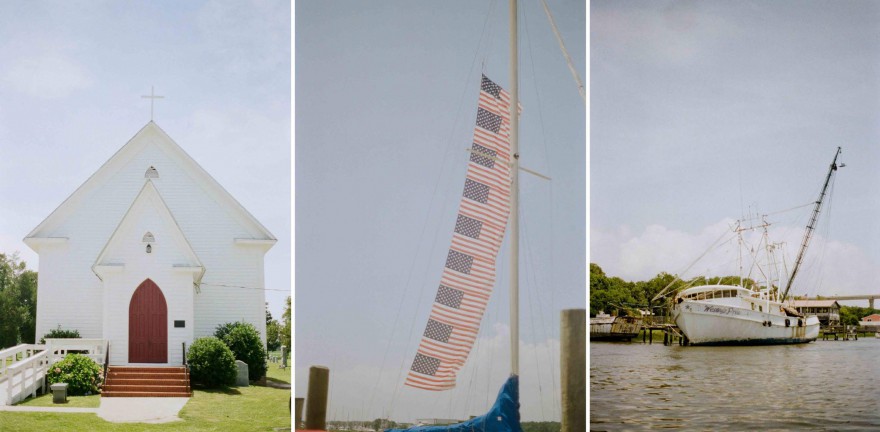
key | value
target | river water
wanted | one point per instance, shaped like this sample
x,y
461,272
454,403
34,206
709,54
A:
x,y
823,385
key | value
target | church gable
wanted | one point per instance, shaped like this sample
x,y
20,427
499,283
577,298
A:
x,y
150,155
148,236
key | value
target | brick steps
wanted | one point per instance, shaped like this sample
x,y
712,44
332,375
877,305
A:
x,y
142,381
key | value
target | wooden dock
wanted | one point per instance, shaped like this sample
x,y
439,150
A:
x,y
671,333
840,332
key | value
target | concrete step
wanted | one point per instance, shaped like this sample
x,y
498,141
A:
x,y
144,394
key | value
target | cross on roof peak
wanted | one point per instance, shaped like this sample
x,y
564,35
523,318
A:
x,y
152,97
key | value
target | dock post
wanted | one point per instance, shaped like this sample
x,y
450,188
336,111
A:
x,y
650,336
299,413
573,370
665,338
316,407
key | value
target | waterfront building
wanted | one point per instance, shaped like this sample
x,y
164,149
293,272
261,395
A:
x,y
828,311
870,323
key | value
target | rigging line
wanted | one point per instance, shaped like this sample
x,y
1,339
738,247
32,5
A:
x,y
530,291
537,93
493,311
790,209
540,110
475,365
826,235
449,147
677,277
530,265
574,74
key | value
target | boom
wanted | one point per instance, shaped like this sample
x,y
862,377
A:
x,y
808,234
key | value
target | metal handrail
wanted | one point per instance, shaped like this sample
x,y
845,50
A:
x,y
106,360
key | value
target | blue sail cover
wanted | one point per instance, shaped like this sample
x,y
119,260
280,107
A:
x,y
503,417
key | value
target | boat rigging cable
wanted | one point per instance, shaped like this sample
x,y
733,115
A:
x,y
678,277
530,261
574,74
810,226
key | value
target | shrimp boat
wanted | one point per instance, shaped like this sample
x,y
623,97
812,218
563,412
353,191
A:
x,y
735,315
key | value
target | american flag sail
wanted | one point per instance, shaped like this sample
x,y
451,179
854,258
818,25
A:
x,y
469,274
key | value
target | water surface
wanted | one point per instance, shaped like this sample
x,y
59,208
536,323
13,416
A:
x,y
823,385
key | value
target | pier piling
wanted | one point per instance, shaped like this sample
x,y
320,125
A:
x,y
299,413
316,398
573,369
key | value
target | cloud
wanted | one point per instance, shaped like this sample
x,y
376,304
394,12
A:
x,y
47,75
250,35
830,267
354,394
678,34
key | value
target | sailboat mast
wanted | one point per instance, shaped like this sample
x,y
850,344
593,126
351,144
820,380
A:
x,y
811,225
514,194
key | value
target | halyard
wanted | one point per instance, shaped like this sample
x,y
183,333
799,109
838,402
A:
x,y
253,408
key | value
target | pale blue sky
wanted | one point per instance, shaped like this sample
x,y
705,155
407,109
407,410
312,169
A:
x,y
71,81
386,97
703,110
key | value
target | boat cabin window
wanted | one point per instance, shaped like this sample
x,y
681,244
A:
x,y
760,308
712,295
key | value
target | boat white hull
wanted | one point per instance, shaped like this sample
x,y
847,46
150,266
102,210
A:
x,y
712,324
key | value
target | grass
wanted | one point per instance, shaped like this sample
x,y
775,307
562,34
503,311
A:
x,y
253,408
275,374
45,400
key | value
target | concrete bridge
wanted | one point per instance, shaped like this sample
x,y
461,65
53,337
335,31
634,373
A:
x,y
869,297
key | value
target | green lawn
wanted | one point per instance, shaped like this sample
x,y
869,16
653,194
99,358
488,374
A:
x,y
253,408
276,374
45,400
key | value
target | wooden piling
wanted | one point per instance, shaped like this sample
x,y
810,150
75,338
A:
x,y
573,370
299,413
316,399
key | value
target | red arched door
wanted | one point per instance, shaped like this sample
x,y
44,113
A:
x,y
148,325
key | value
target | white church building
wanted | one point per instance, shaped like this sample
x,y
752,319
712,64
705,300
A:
x,y
149,253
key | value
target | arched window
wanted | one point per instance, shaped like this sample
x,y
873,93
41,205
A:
x,y
148,237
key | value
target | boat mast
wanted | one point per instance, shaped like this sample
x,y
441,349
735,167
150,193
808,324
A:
x,y
514,195
808,234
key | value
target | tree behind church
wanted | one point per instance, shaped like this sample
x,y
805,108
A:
x,y
18,302
285,329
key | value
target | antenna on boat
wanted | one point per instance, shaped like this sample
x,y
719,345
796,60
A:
x,y
808,234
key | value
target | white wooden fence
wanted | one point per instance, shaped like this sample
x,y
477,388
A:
x,y
23,367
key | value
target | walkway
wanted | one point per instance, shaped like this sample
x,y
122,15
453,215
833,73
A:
x,y
121,410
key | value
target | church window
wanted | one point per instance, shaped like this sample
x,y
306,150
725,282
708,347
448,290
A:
x,y
148,237
151,173
149,248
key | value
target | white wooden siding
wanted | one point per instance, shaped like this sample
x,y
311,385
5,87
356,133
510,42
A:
x,y
72,296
